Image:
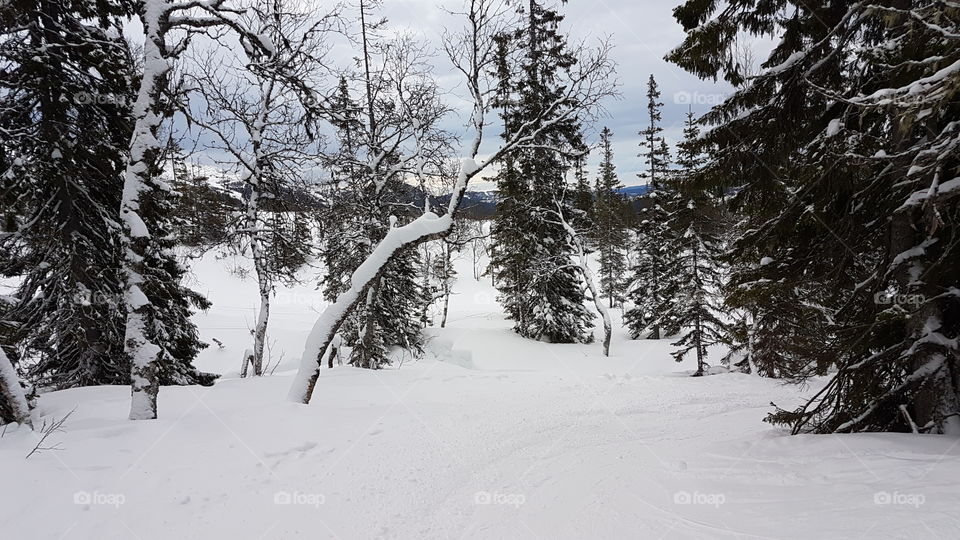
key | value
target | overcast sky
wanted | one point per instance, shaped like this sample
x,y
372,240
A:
x,y
641,31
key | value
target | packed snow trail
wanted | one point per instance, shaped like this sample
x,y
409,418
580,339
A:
x,y
489,436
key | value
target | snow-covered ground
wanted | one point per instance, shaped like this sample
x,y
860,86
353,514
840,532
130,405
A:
x,y
488,436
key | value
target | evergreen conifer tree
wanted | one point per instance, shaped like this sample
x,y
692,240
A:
x,y
696,227
651,276
62,150
583,203
609,232
541,289
843,155
66,111
369,197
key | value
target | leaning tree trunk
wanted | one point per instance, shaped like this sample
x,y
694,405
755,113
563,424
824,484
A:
x,y
426,227
598,302
12,398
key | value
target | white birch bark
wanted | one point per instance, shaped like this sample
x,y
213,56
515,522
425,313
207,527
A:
x,y
11,392
144,354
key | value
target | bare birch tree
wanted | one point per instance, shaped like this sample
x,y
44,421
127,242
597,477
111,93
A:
x,y
261,118
169,27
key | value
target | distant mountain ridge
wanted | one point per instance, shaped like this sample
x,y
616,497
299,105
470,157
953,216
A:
x,y
483,204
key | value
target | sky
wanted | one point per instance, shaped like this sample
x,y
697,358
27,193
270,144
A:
x,y
641,32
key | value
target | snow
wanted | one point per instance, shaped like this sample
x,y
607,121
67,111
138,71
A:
x,y
833,127
10,388
915,87
489,436
136,298
787,64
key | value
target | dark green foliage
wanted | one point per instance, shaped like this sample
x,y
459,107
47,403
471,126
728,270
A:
x,y
695,222
582,196
62,149
609,232
842,153
651,276
356,218
66,88
204,214
540,288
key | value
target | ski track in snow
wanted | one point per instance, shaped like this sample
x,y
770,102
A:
x,y
488,436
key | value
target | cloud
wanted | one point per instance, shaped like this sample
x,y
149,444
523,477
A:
x,y
642,32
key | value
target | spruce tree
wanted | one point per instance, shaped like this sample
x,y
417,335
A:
x,y
64,142
609,233
67,92
582,196
511,254
651,278
840,151
65,98
697,230
541,289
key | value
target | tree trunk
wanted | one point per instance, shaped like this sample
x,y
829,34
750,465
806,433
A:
x,y
334,353
598,302
144,354
697,324
751,321
422,229
247,362
260,332
937,391
11,393
446,305
698,343
370,326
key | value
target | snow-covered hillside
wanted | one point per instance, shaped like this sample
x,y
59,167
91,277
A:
x,y
488,436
